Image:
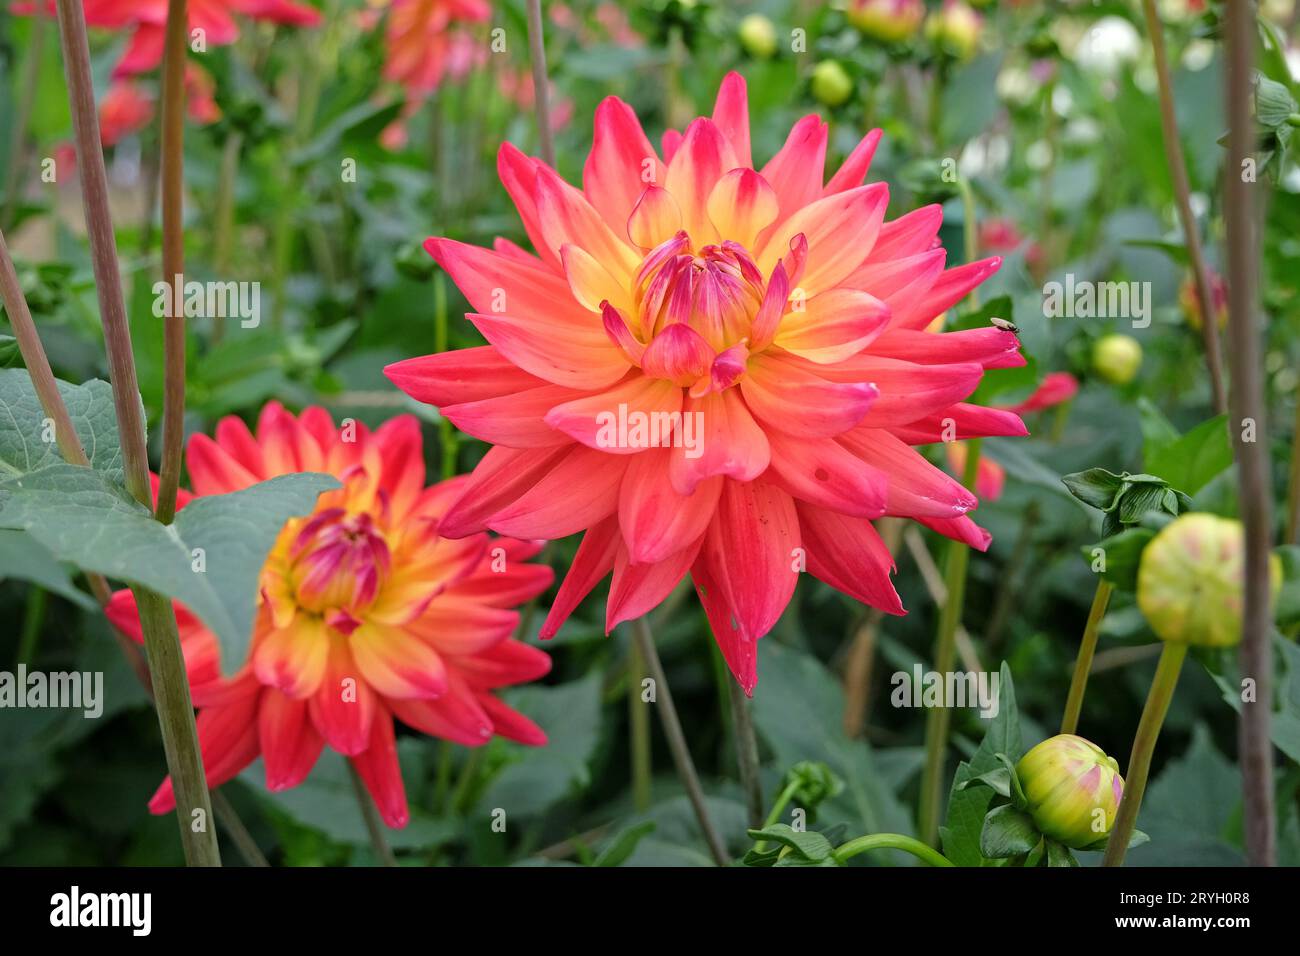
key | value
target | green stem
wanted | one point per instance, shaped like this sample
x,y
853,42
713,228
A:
x,y
1083,663
173,259
1244,223
34,615
1182,196
442,781
157,619
541,88
465,782
450,438
176,720
677,741
1144,743
374,826
970,231
223,216
638,722
18,131
237,832
742,725
782,801
891,841
939,718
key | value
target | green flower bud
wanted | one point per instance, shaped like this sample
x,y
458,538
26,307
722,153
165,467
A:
x,y
1191,578
890,21
758,36
1073,789
1117,358
830,84
954,28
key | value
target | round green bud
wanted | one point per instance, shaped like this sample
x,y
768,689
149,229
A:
x,y
1073,789
1191,580
758,36
1117,358
830,84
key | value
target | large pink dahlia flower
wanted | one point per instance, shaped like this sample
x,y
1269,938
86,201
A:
x,y
712,369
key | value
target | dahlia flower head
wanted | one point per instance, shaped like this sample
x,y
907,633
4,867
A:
x,y
768,321
422,44
147,21
366,613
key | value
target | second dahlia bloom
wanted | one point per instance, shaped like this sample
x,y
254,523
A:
x,y
712,367
147,21
367,613
420,42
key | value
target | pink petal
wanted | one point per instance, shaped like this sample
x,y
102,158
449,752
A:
x,y
991,347
577,493
823,472
678,354
731,114
704,156
501,478
343,707
381,773
516,421
742,205
749,561
840,230
849,555
949,289
655,519
637,589
784,394
593,561
916,487
289,743
796,171
620,160
466,375
728,442
581,357
833,326
855,167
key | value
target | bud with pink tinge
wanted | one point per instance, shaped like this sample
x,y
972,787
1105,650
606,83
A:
x,y
1191,579
1073,789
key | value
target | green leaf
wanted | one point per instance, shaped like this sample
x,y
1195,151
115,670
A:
x,y
1137,499
967,807
1136,838
1123,554
1058,854
997,779
28,444
800,714
327,801
1287,609
1192,810
1274,103
79,516
1096,487
1007,832
537,777
809,847
21,557
623,845
1190,462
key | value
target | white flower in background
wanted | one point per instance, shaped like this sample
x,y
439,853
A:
x,y
1112,42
